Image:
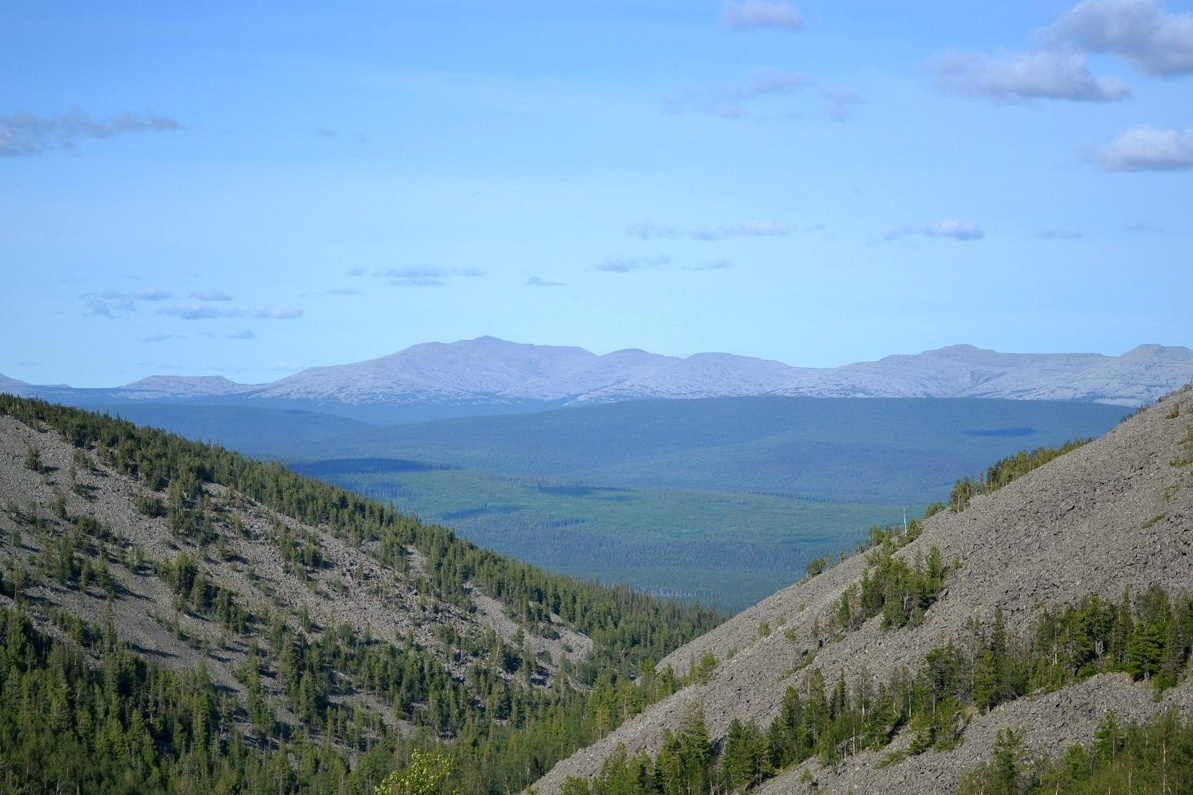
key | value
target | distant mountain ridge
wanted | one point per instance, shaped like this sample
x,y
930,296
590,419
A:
x,y
493,373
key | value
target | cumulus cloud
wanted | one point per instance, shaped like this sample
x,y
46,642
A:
x,y
731,101
1027,76
622,264
23,134
754,14
1147,148
957,230
1138,30
209,295
425,275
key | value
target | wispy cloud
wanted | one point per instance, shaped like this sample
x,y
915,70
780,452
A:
x,y
114,303
277,313
754,228
23,134
839,103
714,265
1060,234
209,295
957,230
649,231
538,281
732,100
107,307
1138,30
1147,148
243,334
1027,76
163,337
622,264
755,14
425,275
152,294
195,312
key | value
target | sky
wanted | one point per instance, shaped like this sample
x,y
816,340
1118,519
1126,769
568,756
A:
x,y
248,189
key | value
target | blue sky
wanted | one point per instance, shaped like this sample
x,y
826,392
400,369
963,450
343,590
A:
x,y
250,188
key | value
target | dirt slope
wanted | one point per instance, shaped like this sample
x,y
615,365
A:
x,y
1116,513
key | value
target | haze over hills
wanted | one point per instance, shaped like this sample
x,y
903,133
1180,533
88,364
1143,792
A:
x,y
488,375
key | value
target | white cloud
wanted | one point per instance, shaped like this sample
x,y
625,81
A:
x,y
194,312
957,230
1147,148
626,264
714,265
209,295
753,228
748,229
109,308
152,294
425,275
114,304
1138,30
23,134
646,231
1026,76
277,313
754,14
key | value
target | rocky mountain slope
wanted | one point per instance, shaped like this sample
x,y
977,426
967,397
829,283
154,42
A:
x,y
1113,516
304,617
339,585
489,374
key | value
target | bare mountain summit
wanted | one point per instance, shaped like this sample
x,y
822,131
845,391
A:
x,y
1139,376
1114,516
488,375
489,370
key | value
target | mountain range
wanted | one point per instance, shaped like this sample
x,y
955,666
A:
x,y
489,375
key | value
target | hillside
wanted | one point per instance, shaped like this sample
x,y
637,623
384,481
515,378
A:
x,y
1112,517
264,612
